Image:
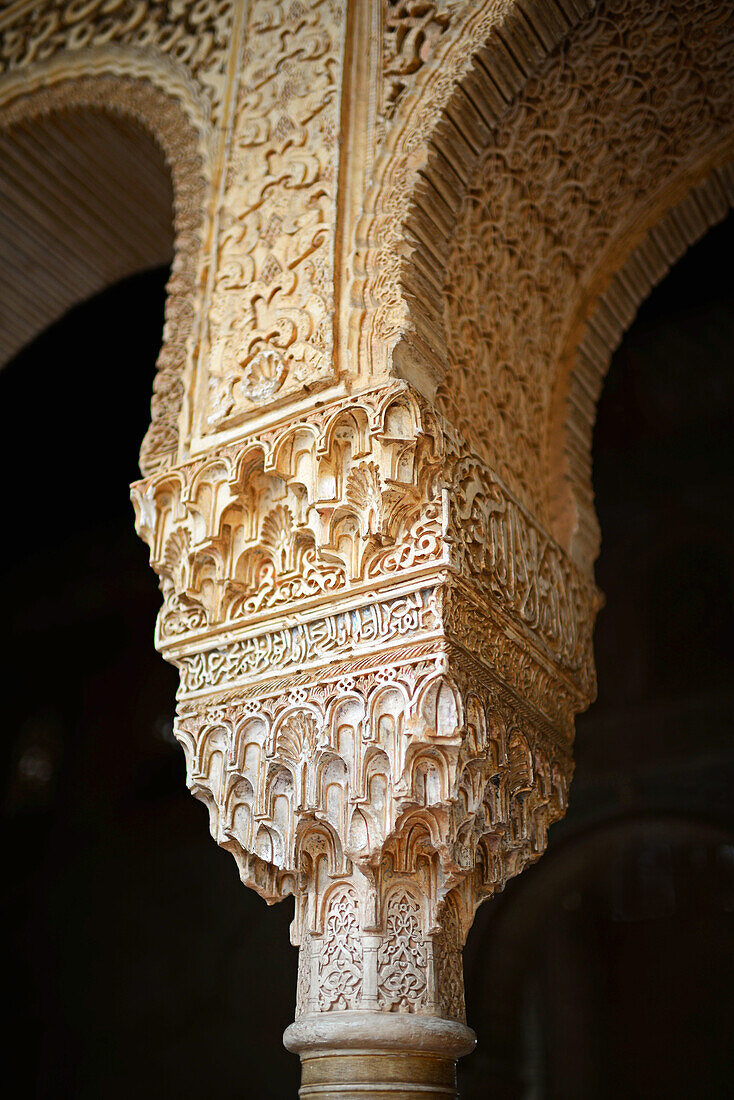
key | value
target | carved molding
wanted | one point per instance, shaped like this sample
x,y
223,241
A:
x,y
181,145
403,785
496,77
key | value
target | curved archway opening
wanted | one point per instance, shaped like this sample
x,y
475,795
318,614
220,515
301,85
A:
x,y
601,319
128,928
103,175
86,199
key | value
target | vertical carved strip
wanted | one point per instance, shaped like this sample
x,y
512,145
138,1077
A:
x,y
271,315
447,947
402,958
340,965
303,989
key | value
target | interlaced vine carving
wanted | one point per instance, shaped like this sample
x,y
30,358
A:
x,y
195,36
271,312
447,945
402,956
340,964
412,29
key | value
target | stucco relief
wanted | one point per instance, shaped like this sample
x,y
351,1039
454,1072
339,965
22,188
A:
x,y
380,656
613,115
468,61
381,646
273,298
589,344
401,784
411,31
196,37
345,504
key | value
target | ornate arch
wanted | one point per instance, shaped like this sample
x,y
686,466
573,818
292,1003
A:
x,y
449,74
594,336
623,117
163,65
163,118
528,157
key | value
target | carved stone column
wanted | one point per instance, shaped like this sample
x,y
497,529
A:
x,y
408,236
380,654
381,650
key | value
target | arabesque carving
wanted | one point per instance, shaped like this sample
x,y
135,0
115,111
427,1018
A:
x,y
348,499
195,36
273,298
576,159
411,32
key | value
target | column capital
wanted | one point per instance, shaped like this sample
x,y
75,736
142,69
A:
x,y
381,653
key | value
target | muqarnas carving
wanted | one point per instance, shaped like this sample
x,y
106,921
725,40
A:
x,y
381,655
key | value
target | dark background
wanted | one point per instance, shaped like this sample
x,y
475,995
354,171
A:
x,y
138,965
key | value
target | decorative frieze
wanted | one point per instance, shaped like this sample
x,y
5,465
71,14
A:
x,y
352,499
346,634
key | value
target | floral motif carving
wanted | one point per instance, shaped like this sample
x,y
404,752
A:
x,y
196,36
411,31
447,945
273,298
340,964
393,732
402,957
381,646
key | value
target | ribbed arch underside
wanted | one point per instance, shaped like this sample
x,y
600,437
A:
x,y
85,199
